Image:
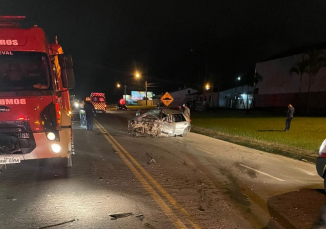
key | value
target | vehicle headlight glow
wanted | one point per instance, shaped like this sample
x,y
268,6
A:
x,y
322,147
50,136
56,148
77,105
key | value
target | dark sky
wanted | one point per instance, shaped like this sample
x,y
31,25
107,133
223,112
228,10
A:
x,y
176,43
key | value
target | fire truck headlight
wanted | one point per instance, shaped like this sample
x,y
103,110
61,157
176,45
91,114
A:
x,y
56,148
50,136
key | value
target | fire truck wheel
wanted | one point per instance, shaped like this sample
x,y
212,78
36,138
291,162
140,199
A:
x,y
66,162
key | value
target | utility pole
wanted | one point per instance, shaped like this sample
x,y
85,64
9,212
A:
x,y
146,91
125,92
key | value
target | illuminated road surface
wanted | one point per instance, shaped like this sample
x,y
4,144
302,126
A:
x,y
118,181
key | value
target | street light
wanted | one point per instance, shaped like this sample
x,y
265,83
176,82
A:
x,y
210,94
236,85
125,91
137,76
207,87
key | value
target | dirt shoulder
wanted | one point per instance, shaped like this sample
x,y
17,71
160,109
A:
x,y
296,153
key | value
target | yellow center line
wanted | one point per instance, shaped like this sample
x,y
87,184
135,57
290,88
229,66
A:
x,y
149,177
166,209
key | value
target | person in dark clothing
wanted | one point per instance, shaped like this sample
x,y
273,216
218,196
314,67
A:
x,y
289,117
90,113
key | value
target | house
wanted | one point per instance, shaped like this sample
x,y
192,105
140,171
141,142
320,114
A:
x,y
183,96
237,98
234,98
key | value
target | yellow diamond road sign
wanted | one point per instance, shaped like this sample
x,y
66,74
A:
x,y
167,99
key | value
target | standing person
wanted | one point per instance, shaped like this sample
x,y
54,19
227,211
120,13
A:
x,y
180,109
289,117
186,110
90,113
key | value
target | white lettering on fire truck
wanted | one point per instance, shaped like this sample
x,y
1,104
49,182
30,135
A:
x,y
12,101
6,53
8,42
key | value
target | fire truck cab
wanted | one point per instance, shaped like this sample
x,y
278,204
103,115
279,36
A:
x,y
35,112
99,102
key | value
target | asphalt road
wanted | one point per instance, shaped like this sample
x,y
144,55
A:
x,y
119,181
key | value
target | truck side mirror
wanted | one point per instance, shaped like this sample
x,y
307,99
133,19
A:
x,y
67,73
68,78
65,61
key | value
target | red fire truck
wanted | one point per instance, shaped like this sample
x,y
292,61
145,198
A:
x,y
98,100
35,78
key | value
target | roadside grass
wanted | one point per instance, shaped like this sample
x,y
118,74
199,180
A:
x,y
132,107
306,133
135,107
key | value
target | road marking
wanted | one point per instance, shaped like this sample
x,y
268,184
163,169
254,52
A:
x,y
308,173
166,209
204,150
261,172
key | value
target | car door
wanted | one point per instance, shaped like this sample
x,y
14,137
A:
x,y
168,126
180,123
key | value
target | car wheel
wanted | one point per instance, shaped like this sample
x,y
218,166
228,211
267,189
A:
x,y
134,132
185,132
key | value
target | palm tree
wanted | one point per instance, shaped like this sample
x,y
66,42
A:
x,y
301,67
310,64
256,79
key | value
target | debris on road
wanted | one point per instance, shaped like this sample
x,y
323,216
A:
x,y
150,158
140,217
116,216
58,224
11,198
200,208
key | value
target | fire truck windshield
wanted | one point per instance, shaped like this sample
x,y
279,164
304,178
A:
x,y
24,71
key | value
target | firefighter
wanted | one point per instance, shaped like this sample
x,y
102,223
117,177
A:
x,y
90,113
82,116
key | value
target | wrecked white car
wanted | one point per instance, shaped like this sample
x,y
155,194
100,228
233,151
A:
x,y
159,122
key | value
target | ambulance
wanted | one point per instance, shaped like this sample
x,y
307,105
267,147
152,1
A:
x,y
99,102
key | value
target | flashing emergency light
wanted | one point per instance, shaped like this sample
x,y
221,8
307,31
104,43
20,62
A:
x,y
12,17
122,102
98,94
22,118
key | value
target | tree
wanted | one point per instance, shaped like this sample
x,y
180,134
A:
x,y
309,64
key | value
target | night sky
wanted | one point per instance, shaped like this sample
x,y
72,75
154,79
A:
x,y
173,43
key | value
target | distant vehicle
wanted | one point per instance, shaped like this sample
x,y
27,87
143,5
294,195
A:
x,y
321,162
122,105
36,76
74,102
160,122
99,102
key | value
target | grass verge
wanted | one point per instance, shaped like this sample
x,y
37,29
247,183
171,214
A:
x,y
264,132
